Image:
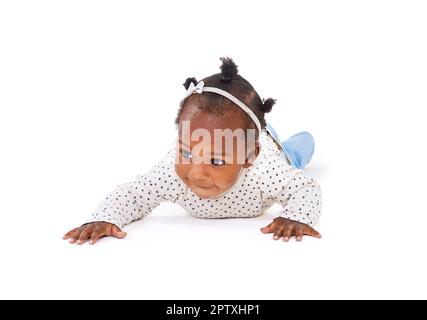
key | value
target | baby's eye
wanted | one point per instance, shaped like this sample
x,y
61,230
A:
x,y
186,154
217,162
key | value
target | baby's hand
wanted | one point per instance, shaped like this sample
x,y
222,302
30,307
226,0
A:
x,y
93,231
288,228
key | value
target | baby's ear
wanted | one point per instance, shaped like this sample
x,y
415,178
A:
x,y
188,81
252,155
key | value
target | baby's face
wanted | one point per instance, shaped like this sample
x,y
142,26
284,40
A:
x,y
207,167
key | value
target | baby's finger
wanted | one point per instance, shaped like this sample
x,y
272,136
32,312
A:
x,y
85,235
311,232
287,232
269,228
299,232
278,233
118,233
75,235
96,234
68,234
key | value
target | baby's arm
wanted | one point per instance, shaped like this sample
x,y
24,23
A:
x,y
301,207
301,199
131,201
128,202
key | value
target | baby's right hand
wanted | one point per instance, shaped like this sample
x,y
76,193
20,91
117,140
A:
x,y
93,231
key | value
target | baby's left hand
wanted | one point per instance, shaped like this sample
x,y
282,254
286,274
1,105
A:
x,y
288,228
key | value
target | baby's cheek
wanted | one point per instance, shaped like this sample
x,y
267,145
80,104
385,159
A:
x,y
181,171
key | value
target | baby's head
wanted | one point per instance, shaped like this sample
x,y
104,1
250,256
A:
x,y
218,137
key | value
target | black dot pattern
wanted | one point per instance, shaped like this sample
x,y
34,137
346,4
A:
x,y
270,180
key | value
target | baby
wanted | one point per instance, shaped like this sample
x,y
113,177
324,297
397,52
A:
x,y
226,162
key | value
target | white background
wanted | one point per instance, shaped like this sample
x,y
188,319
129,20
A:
x,y
88,96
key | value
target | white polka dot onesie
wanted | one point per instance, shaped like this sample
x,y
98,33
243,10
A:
x,y
269,180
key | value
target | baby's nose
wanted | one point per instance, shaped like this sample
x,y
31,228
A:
x,y
199,172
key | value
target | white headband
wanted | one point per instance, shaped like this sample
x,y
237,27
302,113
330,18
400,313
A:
x,y
200,87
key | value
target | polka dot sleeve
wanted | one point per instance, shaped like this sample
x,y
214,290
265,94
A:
x,y
134,200
299,195
301,199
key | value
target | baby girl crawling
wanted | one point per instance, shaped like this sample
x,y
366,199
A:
x,y
226,162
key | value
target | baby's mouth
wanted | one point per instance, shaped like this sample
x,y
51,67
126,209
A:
x,y
204,187
204,191
201,186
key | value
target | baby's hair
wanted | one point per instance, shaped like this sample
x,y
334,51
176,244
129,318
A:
x,y
228,80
